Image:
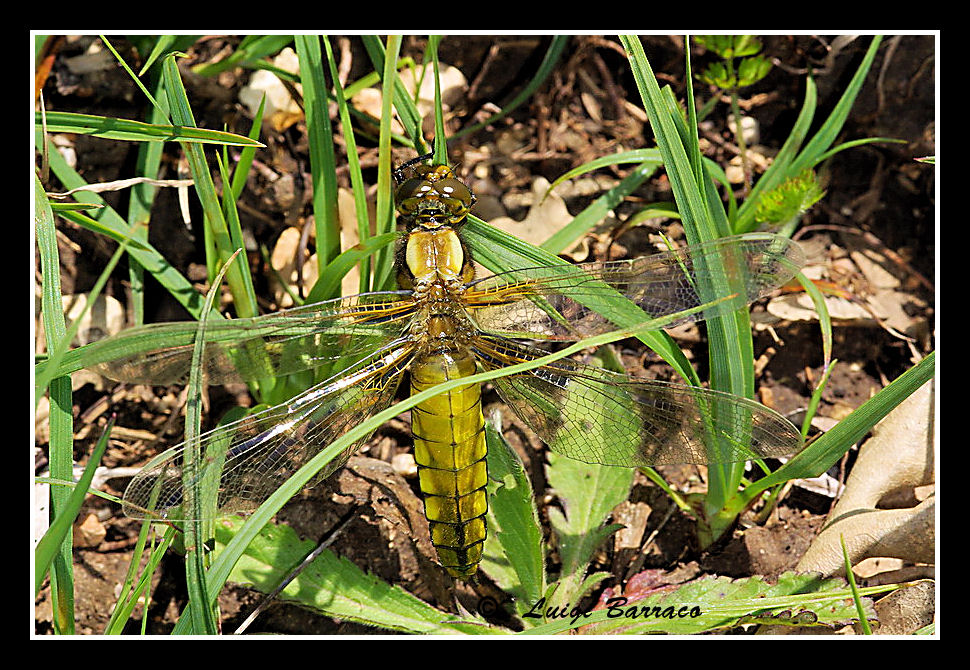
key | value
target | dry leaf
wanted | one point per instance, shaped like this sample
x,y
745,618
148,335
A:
x,y
546,217
106,317
900,454
281,110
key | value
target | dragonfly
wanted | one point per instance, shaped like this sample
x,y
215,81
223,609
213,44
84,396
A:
x,y
444,324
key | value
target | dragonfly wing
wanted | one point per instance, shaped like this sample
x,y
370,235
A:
x,y
245,461
597,416
575,301
271,345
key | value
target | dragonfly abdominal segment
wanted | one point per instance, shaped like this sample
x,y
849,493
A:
x,y
449,449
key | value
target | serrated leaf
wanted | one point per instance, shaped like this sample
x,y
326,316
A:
x,y
752,70
717,75
789,199
719,603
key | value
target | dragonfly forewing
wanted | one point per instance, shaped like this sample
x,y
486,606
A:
x,y
244,462
272,345
596,416
572,302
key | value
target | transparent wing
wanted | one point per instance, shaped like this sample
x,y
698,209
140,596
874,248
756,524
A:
x,y
264,346
572,302
245,461
597,416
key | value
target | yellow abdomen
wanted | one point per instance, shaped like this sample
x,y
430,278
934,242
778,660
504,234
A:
x,y
449,448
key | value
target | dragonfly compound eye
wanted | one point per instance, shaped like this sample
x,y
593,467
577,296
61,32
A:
x,y
456,197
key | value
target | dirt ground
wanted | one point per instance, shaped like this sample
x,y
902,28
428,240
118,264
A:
x,y
877,198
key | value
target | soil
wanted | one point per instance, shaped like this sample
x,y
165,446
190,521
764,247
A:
x,y
876,196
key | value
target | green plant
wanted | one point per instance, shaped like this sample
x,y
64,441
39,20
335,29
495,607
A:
x,y
750,68
741,65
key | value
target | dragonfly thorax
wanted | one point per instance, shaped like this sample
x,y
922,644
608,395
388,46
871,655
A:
x,y
436,256
441,322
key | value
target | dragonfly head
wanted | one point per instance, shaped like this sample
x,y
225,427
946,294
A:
x,y
431,196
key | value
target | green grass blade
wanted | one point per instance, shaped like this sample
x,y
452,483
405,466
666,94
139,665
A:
x,y
584,222
59,351
133,593
59,530
832,125
780,167
134,77
61,422
403,104
440,147
147,164
330,278
109,128
679,170
199,494
240,171
171,279
632,156
231,217
253,47
825,451
393,95
792,158
164,44
323,162
242,290
358,187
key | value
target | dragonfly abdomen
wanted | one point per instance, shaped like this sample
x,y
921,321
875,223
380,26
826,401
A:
x,y
449,448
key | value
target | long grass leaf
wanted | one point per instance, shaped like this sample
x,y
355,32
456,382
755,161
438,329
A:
x,y
61,422
147,164
109,128
393,96
58,531
583,222
199,493
358,187
780,167
832,125
240,285
253,47
323,162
